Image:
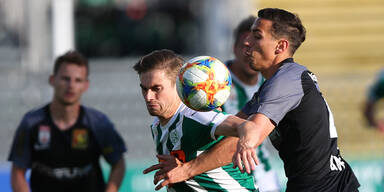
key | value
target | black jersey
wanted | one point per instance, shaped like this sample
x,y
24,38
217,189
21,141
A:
x,y
305,134
66,160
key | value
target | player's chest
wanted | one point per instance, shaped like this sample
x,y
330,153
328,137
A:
x,y
50,142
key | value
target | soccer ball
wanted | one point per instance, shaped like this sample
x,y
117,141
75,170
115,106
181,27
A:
x,y
203,83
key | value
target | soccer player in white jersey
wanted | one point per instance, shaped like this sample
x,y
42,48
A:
x,y
182,132
246,82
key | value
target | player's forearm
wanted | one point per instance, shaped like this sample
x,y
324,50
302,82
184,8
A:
x,y
253,131
249,134
20,185
229,126
18,181
217,156
116,176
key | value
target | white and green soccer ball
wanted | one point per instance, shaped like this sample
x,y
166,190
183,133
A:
x,y
203,83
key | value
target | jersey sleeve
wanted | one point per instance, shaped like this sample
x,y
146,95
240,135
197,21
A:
x,y
376,91
20,153
277,97
111,143
205,124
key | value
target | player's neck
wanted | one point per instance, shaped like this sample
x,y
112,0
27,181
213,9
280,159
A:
x,y
64,116
244,77
275,65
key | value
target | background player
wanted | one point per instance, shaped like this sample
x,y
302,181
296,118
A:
x,y
62,141
246,82
181,131
375,94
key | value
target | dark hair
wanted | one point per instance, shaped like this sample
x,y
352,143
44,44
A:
x,y
244,26
163,59
73,57
285,24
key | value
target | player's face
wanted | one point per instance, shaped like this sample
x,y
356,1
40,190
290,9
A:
x,y
260,45
241,59
159,93
69,83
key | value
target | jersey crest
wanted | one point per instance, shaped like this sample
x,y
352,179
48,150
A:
x,y
173,136
44,137
79,139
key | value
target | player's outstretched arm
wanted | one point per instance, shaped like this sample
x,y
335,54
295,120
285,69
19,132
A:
x,y
251,134
173,171
18,181
116,175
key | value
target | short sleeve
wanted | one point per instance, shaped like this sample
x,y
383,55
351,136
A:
x,y
111,143
277,97
200,126
20,153
212,119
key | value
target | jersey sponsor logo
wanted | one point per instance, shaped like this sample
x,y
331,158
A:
x,y
313,76
63,172
44,138
336,163
79,139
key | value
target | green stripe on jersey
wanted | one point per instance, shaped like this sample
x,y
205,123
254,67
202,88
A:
x,y
244,179
241,95
171,136
195,136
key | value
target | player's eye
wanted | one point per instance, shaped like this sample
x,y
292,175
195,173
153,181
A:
x,y
257,36
156,89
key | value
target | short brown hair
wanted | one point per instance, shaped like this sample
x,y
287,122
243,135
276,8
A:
x,y
160,59
73,57
285,24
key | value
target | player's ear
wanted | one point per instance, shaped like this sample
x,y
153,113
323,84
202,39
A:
x,y
281,46
51,79
86,85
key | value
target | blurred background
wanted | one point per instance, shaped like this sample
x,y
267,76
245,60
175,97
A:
x,y
343,48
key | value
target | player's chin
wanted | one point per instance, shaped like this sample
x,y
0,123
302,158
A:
x,y
68,101
153,112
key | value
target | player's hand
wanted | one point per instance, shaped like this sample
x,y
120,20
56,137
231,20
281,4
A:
x,y
245,157
170,170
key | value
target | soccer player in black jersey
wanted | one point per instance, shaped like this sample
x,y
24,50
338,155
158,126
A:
x,y
62,141
289,108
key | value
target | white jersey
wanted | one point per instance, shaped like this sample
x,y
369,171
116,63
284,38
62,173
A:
x,y
185,136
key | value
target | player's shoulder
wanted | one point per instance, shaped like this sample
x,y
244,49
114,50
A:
x,y
95,118
94,112
35,115
289,70
201,117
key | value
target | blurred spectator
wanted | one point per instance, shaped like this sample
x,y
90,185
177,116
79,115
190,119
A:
x,y
135,27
